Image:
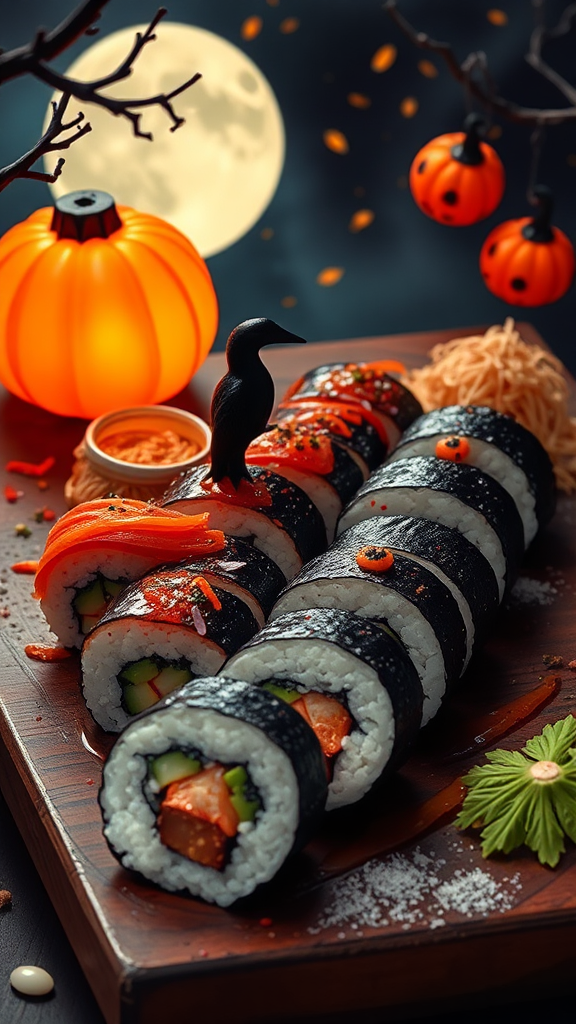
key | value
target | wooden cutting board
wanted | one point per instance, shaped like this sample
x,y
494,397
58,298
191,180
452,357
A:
x,y
418,927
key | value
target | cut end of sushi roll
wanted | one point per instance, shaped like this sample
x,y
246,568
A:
x,y
186,833
356,662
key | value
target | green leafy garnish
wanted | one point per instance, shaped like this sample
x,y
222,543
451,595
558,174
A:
x,y
526,797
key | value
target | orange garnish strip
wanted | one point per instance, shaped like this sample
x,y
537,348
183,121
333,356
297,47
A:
x,y
346,410
385,366
163,534
301,449
25,568
206,589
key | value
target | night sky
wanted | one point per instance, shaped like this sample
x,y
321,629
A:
x,y
401,271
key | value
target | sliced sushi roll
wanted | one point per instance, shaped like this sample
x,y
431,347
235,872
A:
x,y
98,547
394,590
212,791
358,664
455,494
352,424
324,470
444,552
160,632
395,405
497,445
273,514
243,570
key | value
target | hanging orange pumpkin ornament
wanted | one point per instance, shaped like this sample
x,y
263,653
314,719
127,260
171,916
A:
x,y
528,262
101,307
457,179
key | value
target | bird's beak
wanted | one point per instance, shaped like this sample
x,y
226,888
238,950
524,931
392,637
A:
x,y
279,336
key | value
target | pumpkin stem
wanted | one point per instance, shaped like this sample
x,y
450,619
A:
x,y
539,229
85,214
468,151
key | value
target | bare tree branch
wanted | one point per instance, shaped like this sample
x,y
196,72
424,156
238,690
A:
x,y
32,60
49,143
540,36
482,90
47,45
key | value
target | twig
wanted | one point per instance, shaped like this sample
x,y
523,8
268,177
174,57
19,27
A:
x,y
33,59
49,143
483,91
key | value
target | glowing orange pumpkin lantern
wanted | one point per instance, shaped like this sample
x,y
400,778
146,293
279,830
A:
x,y
527,262
101,307
457,179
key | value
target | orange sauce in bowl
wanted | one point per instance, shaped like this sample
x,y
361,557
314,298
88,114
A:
x,y
149,448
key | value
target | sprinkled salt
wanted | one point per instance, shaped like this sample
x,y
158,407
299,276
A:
x,y
528,591
408,890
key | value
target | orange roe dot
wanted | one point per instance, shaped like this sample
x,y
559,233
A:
x,y
453,448
374,558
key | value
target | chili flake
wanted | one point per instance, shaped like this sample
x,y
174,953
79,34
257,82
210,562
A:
x,y
11,494
43,652
31,468
28,568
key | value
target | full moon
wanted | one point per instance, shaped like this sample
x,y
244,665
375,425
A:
x,y
213,177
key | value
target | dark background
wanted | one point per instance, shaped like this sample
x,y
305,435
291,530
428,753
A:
x,y
404,272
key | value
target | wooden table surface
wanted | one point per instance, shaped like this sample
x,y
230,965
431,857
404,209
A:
x,y
137,945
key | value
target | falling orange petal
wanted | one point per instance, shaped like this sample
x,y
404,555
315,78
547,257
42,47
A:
x,y
288,301
273,3
251,27
409,106
571,159
360,220
383,58
497,17
336,141
427,68
289,25
358,100
402,181
359,191
494,132
267,234
330,276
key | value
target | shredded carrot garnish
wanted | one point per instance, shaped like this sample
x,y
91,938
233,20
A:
x,y
43,652
206,589
501,371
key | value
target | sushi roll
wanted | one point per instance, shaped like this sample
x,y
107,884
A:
x,y
272,513
351,424
444,552
160,632
96,548
323,469
393,404
211,792
455,494
243,570
497,445
366,673
391,589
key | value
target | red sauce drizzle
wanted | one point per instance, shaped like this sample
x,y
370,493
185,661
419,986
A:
x,y
248,495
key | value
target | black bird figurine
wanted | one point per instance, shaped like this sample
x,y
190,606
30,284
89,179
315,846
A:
x,y
244,398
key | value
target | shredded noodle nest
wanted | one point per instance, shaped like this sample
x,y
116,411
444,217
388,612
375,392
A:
x,y
500,370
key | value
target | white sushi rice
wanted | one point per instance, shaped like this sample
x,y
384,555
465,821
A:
x,y
322,666
492,460
109,648
251,525
440,507
71,574
261,847
374,601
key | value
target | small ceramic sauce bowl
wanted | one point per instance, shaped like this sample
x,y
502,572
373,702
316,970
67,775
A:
x,y
97,472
